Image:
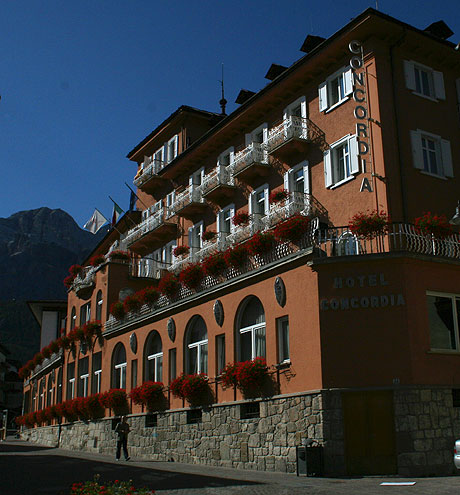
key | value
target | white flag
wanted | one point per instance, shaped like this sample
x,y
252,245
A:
x,y
95,222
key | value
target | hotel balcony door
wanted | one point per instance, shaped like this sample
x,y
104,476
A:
x,y
369,432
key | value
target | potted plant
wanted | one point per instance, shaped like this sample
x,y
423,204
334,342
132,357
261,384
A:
x,y
132,303
369,225
169,285
292,229
208,235
179,251
151,395
228,375
433,225
237,256
215,264
261,243
250,374
117,309
116,399
149,295
192,276
97,260
241,218
193,388
278,196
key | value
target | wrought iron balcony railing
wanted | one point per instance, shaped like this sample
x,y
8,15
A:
x,y
149,224
147,268
150,168
191,194
253,153
219,176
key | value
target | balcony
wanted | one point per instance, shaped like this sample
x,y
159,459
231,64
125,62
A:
x,y
147,268
218,186
152,232
147,179
220,243
84,283
292,136
244,232
251,162
189,202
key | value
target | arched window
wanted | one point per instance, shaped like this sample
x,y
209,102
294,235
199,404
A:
x,y
119,366
99,302
251,330
153,358
73,318
49,397
59,387
41,395
196,346
347,244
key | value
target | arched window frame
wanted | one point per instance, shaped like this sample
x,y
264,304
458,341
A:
x,y
99,303
73,318
153,360
198,346
255,331
119,366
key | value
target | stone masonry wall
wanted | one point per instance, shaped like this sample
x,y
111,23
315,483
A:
x,y
427,426
222,438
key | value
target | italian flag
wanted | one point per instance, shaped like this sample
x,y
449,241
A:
x,y
117,211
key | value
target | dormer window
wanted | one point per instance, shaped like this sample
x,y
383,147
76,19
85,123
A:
x,y
172,147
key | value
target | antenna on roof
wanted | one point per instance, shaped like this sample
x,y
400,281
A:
x,y
223,101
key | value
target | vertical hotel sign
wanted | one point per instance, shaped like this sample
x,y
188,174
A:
x,y
361,111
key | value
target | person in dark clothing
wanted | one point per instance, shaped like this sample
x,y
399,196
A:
x,y
122,430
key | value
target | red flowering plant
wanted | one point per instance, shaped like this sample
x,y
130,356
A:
x,y
132,303
237,256
40,416
24,372
149,394
215,264
64,342
110,488
97,260
241,218
54,346
116,399
149,295
292,229
46,352
250,374
75,270
193,388
38,359
433,225
117,309
92,328
228,375
68,281
278,196
370,224
94,407
169,285
181,250
67,410
192,276
208,235
30,420
119,255
261,242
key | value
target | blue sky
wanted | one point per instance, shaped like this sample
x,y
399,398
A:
x,y
83,82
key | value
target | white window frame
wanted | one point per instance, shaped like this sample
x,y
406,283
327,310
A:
x,y
220,218
72,388
169,202
85,379
435,80
86,309
159,157
99,305
199,346
330,158
251,135
325,89
172,143
196,179
253,196
221,159
454,298
290,174
167,253
443,153
302,102
98,374
253,330
120,370
195,231
157,358
282,352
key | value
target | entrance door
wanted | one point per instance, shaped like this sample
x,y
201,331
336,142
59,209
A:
x,y
369,432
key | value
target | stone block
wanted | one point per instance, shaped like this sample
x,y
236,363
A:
x,y
425,395
280,465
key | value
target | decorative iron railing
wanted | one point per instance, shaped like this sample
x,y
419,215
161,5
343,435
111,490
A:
x,y
253,153
149,224
219,176
147,268
86,279
291,127
191,194
150,168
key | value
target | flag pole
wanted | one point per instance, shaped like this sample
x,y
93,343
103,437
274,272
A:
x,y
128,217
139,199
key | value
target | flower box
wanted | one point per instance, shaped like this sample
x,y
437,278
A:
x,y
149,295
241,218
292,229
208,235
193,388
215,265
151,395
119,255
261,243
97,260
433,225
133,303
192,276
169,285
116,399
181,250
118,311
237,256
370,224
278,196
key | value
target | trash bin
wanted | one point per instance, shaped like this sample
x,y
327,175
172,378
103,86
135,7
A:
x,y
309,460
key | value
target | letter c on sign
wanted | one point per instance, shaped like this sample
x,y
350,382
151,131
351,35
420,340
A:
x,y
354,46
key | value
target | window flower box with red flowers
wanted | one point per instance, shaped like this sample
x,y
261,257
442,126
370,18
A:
x,y
292,229
97,260
261,243
278,196
92,328
94,406
68,281
118,311
169,285
192,276
237,257
46,352
133,303
215,265
151,395
75,270
251,374
118,255
369,225
38,359
208,235
433,225
179,251
241,218
116,399
193,388
149,295
228,375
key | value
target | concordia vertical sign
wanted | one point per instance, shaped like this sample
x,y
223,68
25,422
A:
x,y
361,110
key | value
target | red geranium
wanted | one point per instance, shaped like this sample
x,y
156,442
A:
x,y
116,399
432,224
118,310
149,394
237,256
292,229
169,285
192,276
261,242
149,295
241,218
133,303
181,250
215,264
119,255
278,196
208,235
369,225
97,260
194,388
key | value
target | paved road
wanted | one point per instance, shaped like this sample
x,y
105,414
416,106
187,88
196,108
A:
x,y
28,469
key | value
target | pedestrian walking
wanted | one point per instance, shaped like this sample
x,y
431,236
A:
x,y
122,429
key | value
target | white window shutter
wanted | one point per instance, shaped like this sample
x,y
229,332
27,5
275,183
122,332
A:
x,y
218,217
354,157
439,91
232,156
327,169
306,178
409,74
287,184
232,214
176,146
190,236
416,142
303,109
322,91
250,202
348,81
265,133
266,201
190,181
447,158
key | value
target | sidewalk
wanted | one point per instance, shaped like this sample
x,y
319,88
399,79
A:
x,y
57,469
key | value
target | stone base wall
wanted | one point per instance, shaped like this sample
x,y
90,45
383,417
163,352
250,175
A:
x,y
222,437
427,425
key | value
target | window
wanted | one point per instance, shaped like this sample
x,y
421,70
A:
x,y
153,358
258,135
83,374
172,365
49,396
336,89
99,302
133,373
341,161
97,371
70,380
347,244
59,387
258,201
172,148
443,318
119,366
424,81
159,158
226,158
85,313
224,219
297,180
251,330
196,346
282,325
431,154
73,318
196,179
41,394
297,108
220,353
168,253
195,241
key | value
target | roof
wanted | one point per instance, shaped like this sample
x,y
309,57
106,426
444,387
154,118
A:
x,y
37,307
